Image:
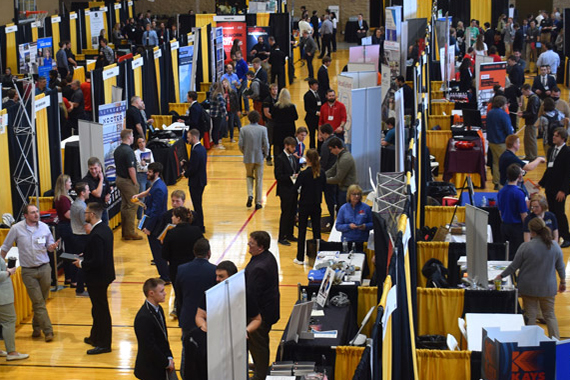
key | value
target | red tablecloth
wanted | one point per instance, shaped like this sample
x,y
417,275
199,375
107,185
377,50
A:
x,y
464,161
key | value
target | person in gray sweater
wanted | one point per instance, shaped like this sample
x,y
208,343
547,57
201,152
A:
x,y
343,172
537,262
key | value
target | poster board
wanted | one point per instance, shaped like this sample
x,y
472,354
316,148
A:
x,y
112,118
37,57
253,33
400,132
392,39
476,221
217,52
96,20
488,74
187,65
365,54
233,27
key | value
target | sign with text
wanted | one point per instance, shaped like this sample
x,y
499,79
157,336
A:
x,y
233,31
112,116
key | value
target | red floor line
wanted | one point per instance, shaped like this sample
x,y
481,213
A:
x,y
243,226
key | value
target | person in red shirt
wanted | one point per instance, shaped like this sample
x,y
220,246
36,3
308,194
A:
x,y
86,90
493,53
470,55
333,112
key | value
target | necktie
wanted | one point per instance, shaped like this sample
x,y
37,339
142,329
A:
x,y
544,81
292,162
555,153
317,96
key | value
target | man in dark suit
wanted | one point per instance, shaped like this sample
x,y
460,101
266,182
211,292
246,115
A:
x,y
194,117
516,72
259,71
99,270
543,83
154,357
262,283
408,95
286,165
277,62
556,181
362,28
313,105
192,280
323,77
156,200
195,171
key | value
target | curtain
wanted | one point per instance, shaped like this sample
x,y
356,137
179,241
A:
x,y
137,79
46,203
347,359
367,297
149,84
5,174
497,8
180,108
54,127
480,10
362,371
492,301
436,216
424,9
87,29
203,20
167,78
42,144
251,19
458,179
34,33
437,141
79,73
442,108
75,48
187,22
54,32
280,28
382,249
411,283
387,339
430,250
11,51
461,11
264,19
98,86
444,121
437,364
438,311
64,28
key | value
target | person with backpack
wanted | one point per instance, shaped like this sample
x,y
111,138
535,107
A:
x,y
550,120
258,91
530,116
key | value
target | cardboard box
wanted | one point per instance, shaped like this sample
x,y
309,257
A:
x,y
518,355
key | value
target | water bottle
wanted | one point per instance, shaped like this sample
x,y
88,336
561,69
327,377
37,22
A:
x,y
304,295
344,245
353,249
484,201
314,299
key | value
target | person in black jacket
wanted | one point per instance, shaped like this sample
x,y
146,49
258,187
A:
x,y
312,182
154,357
99,269
193,116
277,62
327,161
516,72
556,181
408,95
195,171
262,283
465,75
313,103
543,83
286,166
530,115
178,244
323,77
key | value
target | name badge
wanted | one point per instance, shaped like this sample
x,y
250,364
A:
x,y
546,88
331,118
551,164
42,240
319,103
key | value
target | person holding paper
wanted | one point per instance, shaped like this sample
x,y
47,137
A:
x,y
99,268
538,261
34,240
286,170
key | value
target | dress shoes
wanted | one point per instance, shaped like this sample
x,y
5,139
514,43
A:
x,y
565,244
36,334
293,239
49,337
249,201
258,206
284,242
89,341
98,350
133,237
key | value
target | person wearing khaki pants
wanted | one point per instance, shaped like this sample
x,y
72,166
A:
x,y
125,162
8,313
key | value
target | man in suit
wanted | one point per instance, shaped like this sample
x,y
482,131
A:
x,y
543,83
323,77
254,145
262,283
99,270
8,313
259,71
328,160
277,62
156,200
310,47
195,171
154,357
286,166
516,72
192,280
194,116
362,28
556,181
313,105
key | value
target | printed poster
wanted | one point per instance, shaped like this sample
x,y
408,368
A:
x,y
490,74
232,31
185,58
253,33
96,21
112,116
37,57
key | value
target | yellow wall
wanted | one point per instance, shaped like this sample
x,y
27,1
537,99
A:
x,y
174,54
5,174
157,69
55,34
88,30
73,34
11,52
42,142
108,84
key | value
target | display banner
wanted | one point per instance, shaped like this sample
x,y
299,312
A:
x,y
345,86
96,21
37,57
217,54
185,60
490,74
253,33
233,31
392,41
112,116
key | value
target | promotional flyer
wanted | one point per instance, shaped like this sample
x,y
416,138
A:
x,y
112,116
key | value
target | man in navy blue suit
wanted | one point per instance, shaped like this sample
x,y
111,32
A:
x,y
195,171
156,203
193,118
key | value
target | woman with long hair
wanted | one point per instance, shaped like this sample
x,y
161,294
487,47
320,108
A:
x,y
232,107
284,114
62,203
235,48
218,113
480,46
538,261
465,75
312,182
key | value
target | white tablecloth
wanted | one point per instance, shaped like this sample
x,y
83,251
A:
x,y
476,322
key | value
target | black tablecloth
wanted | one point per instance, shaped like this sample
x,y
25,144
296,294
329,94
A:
x,y
171,158
350,31
340,319
72,161
388,159
464,161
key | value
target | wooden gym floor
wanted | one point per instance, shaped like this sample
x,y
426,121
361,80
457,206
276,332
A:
x,y
228,223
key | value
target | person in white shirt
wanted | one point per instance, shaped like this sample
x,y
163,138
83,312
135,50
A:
x,y
144,158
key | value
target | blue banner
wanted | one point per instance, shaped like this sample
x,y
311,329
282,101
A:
x,y
185,57
112,116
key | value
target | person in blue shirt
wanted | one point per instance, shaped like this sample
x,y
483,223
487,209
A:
x,y
232,77
539,209
509,157
241,71
498,128
513,209
150,38
390,138
354,218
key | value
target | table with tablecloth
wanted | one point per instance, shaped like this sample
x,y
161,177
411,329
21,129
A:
x,y
172,158
458,161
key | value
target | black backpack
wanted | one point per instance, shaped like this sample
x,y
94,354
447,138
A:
x,y
553,123
263,90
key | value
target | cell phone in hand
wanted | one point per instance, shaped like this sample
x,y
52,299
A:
x,y
11,263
